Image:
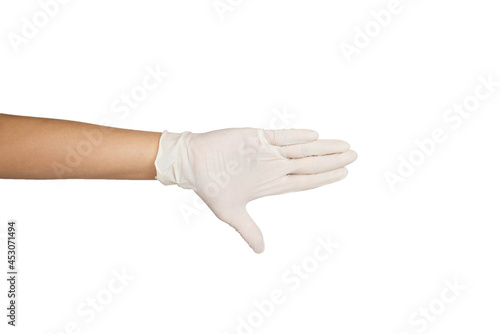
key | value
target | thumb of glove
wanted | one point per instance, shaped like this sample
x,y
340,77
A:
x,y
241,221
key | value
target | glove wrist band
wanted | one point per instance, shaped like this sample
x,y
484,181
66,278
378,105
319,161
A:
x,y
172,151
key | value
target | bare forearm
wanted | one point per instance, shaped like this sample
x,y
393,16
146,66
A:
x,y
42,148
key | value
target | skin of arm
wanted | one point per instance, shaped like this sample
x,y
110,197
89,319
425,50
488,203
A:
x,y
43,148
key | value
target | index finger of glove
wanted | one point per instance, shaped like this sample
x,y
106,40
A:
x,y
290,136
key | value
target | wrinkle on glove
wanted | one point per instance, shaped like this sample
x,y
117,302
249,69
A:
x,y
231,167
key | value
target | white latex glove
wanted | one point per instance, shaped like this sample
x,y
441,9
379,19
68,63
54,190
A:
x,y
231,167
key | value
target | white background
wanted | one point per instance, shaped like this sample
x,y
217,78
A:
x,y
397,248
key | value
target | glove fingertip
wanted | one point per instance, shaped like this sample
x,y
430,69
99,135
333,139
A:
x,y
313,135
259,246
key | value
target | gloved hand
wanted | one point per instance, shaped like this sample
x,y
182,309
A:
x,y
231,167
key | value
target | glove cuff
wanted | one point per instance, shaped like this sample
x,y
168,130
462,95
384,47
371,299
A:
x,y
171,158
